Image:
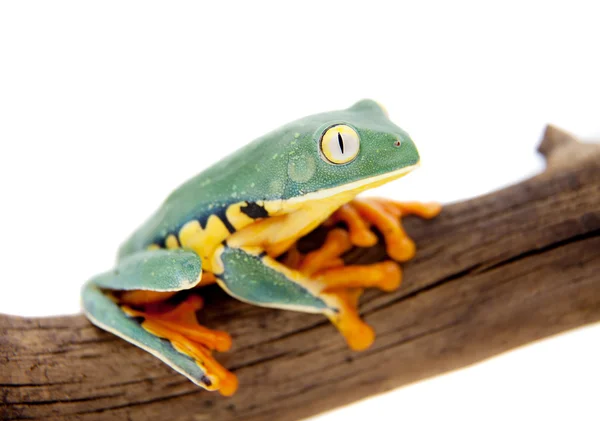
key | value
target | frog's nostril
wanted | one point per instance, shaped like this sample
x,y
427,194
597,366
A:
x,y
397,143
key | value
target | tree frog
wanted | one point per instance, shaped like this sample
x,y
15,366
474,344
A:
x,y
237,224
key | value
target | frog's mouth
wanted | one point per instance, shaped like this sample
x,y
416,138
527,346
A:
x,y
338,195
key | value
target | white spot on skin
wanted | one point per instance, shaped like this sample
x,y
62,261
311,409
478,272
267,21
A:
x,y
301,168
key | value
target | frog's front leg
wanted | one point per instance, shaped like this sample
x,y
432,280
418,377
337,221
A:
x,y
132,301
251,275
385,215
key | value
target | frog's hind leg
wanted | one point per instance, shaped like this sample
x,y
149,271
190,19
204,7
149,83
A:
x,y
181,328
181,320
115,302
386,216
178,352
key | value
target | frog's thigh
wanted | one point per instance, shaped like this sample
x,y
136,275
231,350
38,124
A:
x,y
154,270
106,314
252,276
175,338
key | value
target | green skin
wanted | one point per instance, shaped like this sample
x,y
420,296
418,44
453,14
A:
x,y
283,165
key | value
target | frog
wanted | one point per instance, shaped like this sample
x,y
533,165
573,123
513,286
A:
x,y
237,224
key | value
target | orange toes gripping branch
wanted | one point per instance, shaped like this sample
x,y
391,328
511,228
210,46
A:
x,y
182,329
358,334
385,215
386,276
422,210
397,243
345,283
337,243
360,234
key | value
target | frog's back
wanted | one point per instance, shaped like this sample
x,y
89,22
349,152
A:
x,y
240,177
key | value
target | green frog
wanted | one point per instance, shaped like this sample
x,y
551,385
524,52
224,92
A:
x,y
237,224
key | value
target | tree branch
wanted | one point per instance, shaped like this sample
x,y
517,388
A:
x,y
491,274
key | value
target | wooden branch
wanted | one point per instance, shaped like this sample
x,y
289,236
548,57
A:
x,y
491,274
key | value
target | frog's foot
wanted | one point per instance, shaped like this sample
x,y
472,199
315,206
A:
x,y
326,265
386,276
358,334
181,328
327,256
386,216
343,285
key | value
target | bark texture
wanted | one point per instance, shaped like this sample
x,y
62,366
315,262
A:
x,y
491,274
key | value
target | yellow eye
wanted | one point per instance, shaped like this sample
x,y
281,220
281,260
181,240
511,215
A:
x,y
340,144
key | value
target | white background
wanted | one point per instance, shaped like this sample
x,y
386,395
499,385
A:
x,y
107,106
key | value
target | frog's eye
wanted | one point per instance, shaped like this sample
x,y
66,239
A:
x,y
340,144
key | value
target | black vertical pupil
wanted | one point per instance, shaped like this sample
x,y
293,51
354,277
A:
x,y
341,142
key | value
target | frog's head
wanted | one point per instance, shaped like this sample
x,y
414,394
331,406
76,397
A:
x,y
344,152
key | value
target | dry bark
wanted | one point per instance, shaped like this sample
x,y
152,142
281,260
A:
x,y
491,274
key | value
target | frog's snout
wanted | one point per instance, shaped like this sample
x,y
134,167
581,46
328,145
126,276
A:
x,y
407,148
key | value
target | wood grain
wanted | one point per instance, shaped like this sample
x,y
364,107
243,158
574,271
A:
x,y
491,274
